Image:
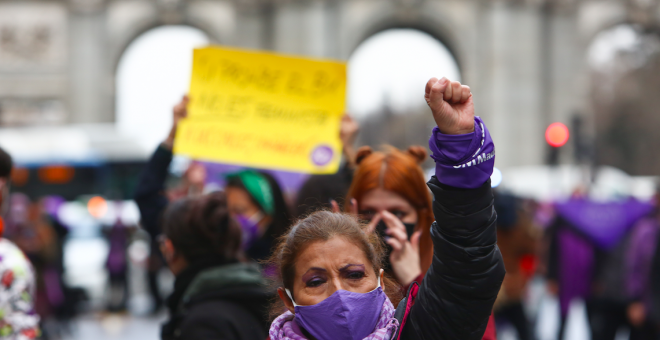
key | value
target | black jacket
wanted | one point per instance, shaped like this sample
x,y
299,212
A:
x,y
456,297
219,302
150,192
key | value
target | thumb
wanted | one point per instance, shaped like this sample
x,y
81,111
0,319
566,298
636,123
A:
x,y
414,240
429,86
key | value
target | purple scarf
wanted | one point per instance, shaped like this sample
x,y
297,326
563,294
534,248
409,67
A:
x,y
284,328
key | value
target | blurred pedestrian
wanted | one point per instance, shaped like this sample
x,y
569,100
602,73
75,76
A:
x,y
319,190
333,283
640,251
256,202
588,257
18,320
118,235
518,241
65,300
215,296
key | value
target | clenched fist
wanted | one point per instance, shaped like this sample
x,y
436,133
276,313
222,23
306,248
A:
x,y
179,112
451,104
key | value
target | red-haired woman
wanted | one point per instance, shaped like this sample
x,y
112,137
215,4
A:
x,y
332,270
392,184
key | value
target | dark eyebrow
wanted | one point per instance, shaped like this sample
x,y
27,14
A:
x,y
345,268
315,269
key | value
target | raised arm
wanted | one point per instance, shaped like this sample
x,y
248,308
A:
x,y
150,192
457,294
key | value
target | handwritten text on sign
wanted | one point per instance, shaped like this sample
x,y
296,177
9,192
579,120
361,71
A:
x,y
264,110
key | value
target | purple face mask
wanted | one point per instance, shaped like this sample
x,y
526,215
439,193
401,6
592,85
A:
x,y
343,315
250,227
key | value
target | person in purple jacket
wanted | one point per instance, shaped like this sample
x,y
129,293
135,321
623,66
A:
x,y
332,281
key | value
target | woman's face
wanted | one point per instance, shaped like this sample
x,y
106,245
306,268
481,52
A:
x,y
325,267
240,203
378,200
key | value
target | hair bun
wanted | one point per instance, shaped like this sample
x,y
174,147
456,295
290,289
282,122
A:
x,y
363,152
418,153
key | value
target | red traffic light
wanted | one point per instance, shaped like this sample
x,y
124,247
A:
x,y
556,135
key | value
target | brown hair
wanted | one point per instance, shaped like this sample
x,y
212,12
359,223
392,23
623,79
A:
x,y
398,172
200,226
321,226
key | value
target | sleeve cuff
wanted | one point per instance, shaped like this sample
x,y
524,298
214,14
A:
x,y
463,161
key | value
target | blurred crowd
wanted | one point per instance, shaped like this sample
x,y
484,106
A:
x,y
604,254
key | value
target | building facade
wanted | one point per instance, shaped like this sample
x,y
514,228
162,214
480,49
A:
x,y
525,60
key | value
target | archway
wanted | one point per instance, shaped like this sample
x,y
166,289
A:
x,y
152,75
386,79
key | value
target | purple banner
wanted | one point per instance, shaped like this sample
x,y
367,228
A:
x,y
604,223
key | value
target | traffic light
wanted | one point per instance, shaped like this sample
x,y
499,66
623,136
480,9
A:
x,y
556,135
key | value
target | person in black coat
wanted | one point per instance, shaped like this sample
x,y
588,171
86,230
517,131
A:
x,y
215,296
152,199
333,285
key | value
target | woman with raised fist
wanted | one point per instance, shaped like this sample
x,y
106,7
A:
x,y
331,266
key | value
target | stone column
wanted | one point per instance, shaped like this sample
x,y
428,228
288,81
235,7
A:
x,y
90,71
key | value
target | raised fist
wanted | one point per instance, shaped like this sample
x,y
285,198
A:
x,y
349,129
179,112
451,105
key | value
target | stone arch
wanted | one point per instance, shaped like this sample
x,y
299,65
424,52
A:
x,y
432,26
438,34
605,26
152,74
612,14
118,53
120,49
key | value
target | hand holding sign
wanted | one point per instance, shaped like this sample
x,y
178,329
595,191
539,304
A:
x,y
452,106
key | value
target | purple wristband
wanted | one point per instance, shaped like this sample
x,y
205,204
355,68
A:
x,y
463,161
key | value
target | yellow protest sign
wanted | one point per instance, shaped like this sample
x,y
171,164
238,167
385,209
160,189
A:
x,y
264,110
